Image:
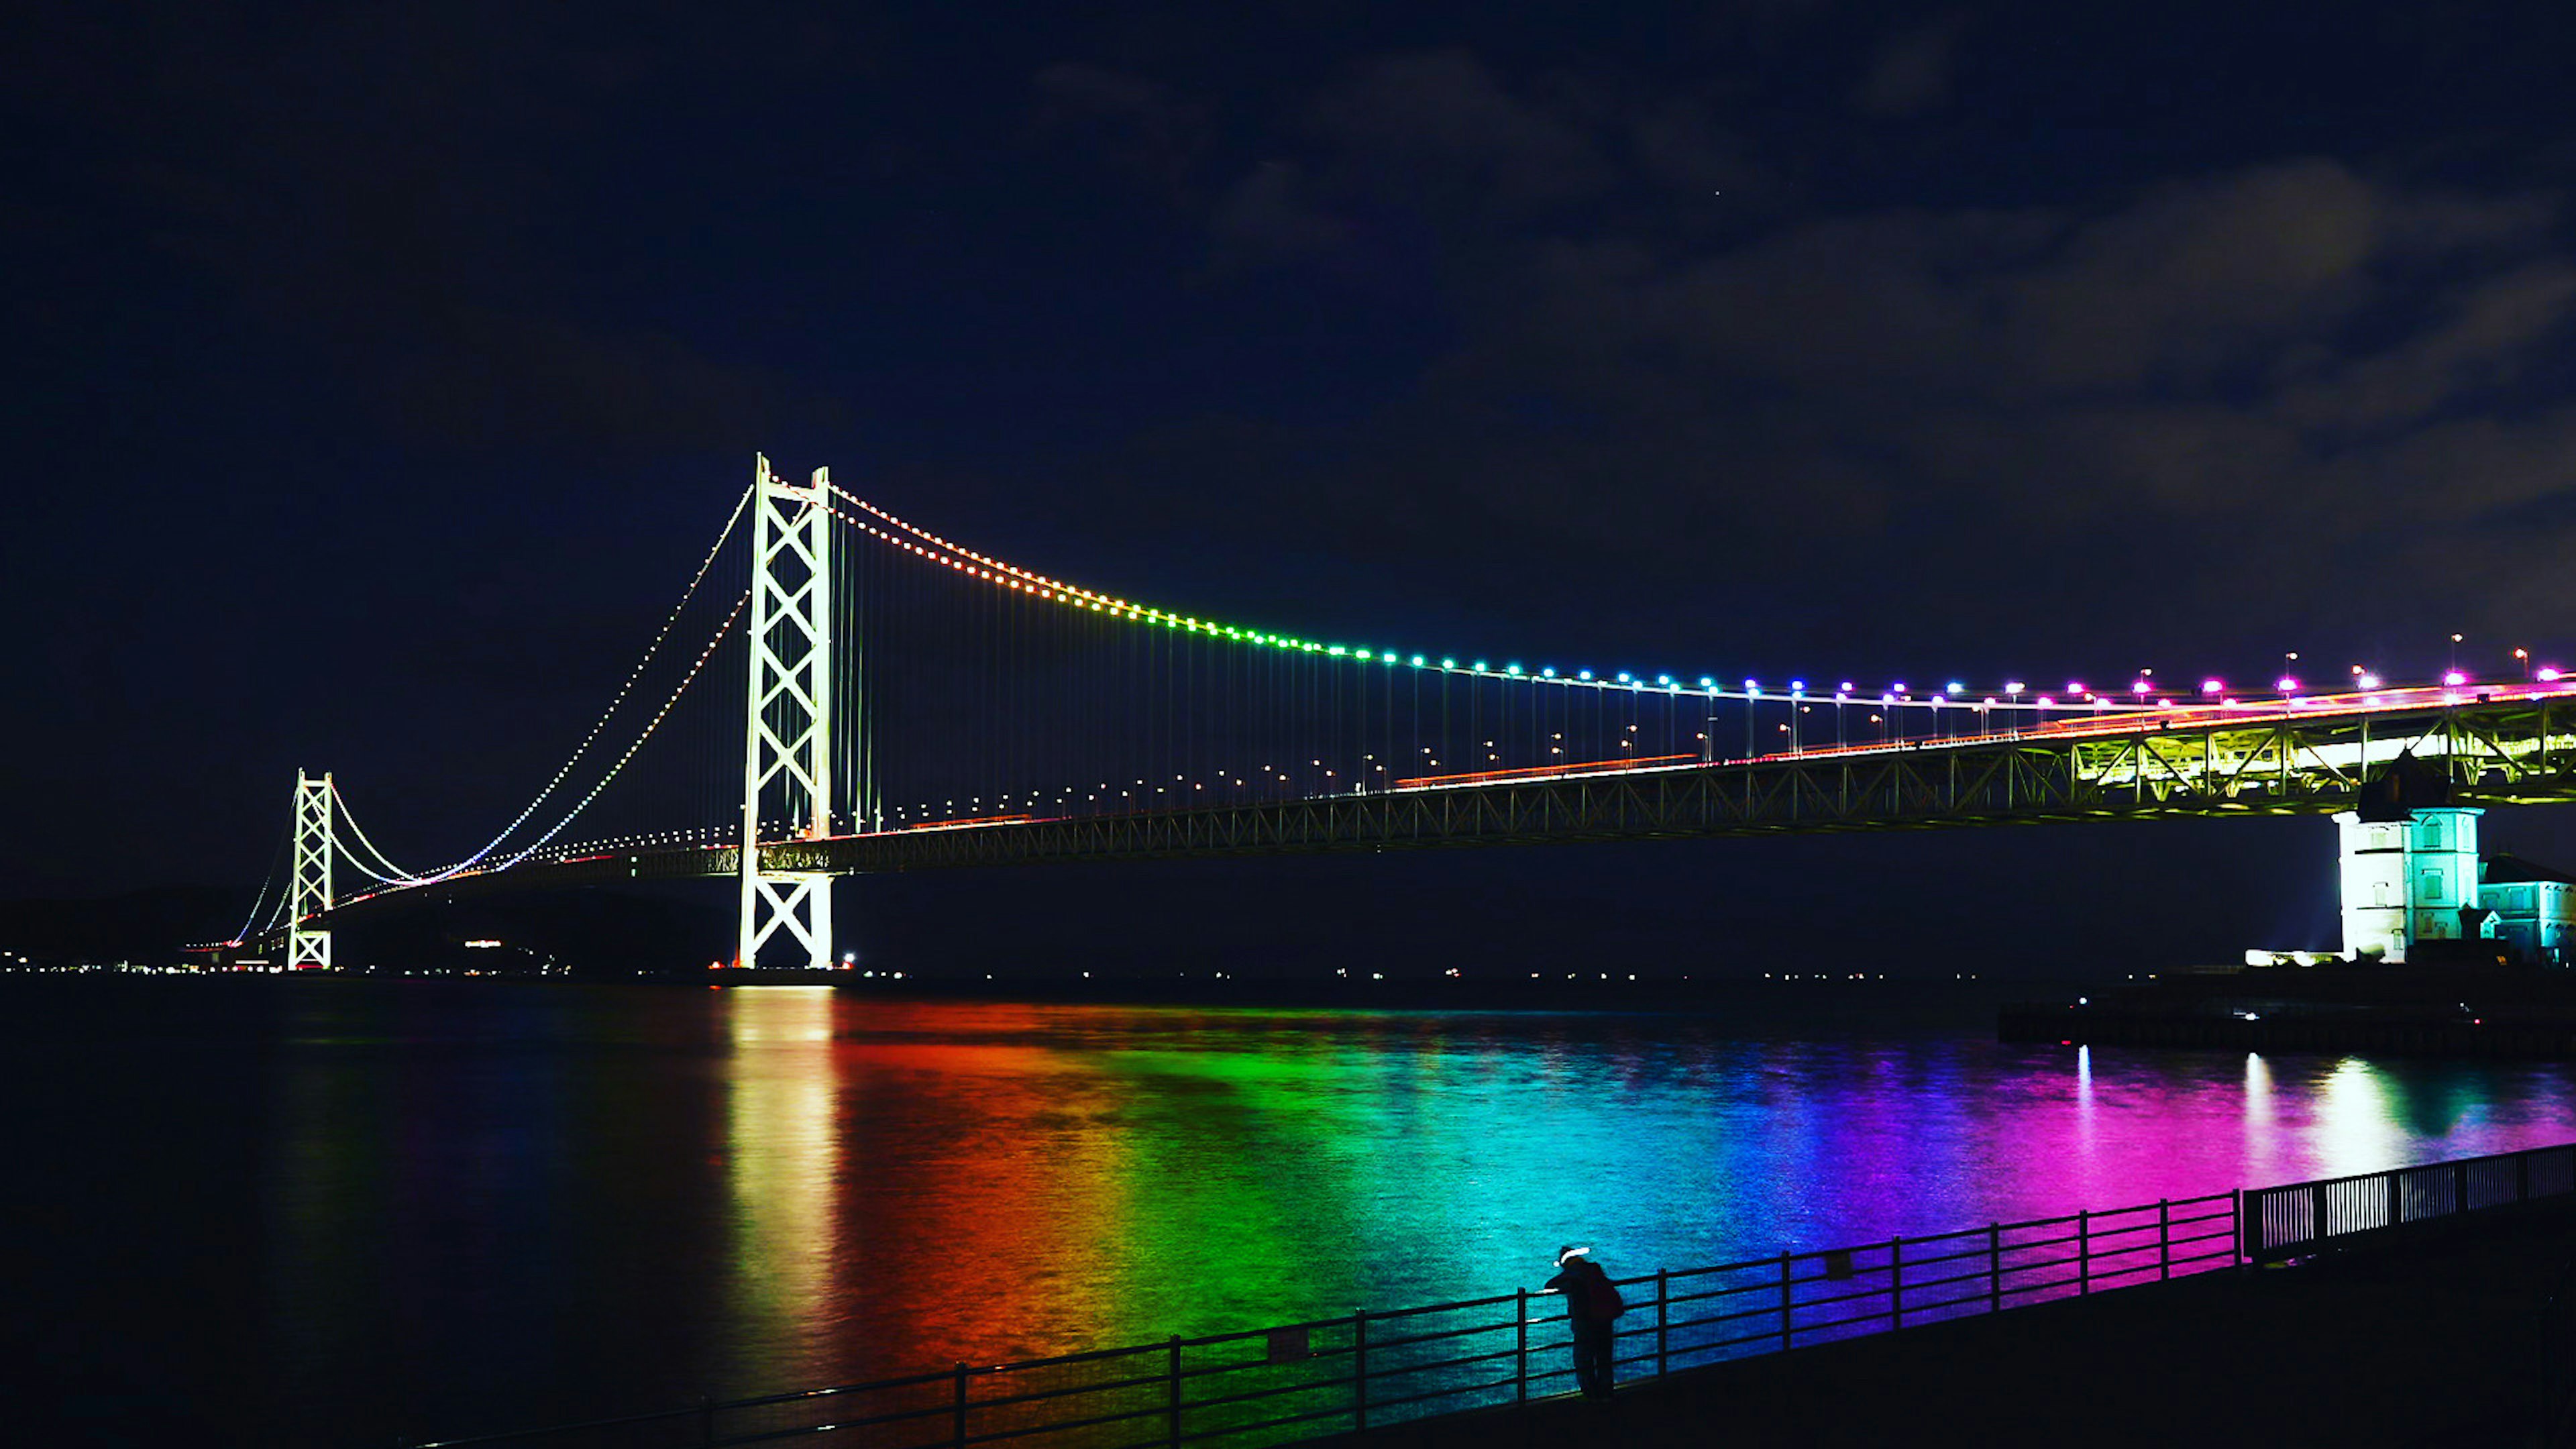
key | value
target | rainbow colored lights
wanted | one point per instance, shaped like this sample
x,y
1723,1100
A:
x,y
911,538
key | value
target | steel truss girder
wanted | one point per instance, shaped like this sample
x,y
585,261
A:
x,y
2514,752
2508,753
787,729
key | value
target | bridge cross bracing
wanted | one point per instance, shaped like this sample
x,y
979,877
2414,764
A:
x,y
787,728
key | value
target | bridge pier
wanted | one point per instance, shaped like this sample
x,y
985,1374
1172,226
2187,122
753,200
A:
x,y
788,728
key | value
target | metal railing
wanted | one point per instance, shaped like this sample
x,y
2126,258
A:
x,y
1329,1376
1306,1380
2303,1218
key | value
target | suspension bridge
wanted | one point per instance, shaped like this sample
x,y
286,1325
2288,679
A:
x,y
907,702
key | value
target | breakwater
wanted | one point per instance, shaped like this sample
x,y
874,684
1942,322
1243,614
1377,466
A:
x,y
2112,1025
2387,1011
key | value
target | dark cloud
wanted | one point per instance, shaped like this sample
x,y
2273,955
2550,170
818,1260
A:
x,y
359,182
487,380
1134,126
1678,143
1441,129
1267,219
1913,70
2189,371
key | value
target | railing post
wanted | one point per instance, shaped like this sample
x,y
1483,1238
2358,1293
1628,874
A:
x,y
1787,1324
959,1439
2083,1251
1896,1281
1174,1379
2459,1187
1994,1267
1520,1349
2241,1225
1359,1368
2164,1240
2396,1199
1663,1322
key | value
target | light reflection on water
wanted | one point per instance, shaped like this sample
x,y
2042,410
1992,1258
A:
x,y
782,1154
1035,1179
484,1207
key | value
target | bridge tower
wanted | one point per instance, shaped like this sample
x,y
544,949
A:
x,y
788,732
310,888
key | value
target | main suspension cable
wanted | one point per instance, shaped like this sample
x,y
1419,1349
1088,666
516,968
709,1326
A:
x,y
695,668
623,690
276,858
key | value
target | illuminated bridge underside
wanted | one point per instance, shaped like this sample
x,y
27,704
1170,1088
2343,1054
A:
x,y
2498,755
2515,752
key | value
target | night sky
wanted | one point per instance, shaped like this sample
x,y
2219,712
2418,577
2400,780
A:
x,y
380,372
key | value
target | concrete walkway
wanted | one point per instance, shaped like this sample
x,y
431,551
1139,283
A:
x,y
2436,1342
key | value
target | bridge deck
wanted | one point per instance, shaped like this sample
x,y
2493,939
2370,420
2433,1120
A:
x,y
2519,750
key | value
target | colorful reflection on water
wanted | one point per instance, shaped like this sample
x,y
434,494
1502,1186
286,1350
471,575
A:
x,y
1023,1180
483,1207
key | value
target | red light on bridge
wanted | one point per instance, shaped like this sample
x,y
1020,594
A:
x,y
1545,772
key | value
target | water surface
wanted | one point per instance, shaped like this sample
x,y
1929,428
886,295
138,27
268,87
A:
x,y
336,1211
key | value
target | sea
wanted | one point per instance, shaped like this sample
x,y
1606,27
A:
x,y
360,1211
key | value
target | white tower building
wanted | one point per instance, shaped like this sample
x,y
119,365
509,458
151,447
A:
x,y
2442,855
2407,880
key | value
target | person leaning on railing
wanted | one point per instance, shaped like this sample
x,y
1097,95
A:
x,y
1592,1305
